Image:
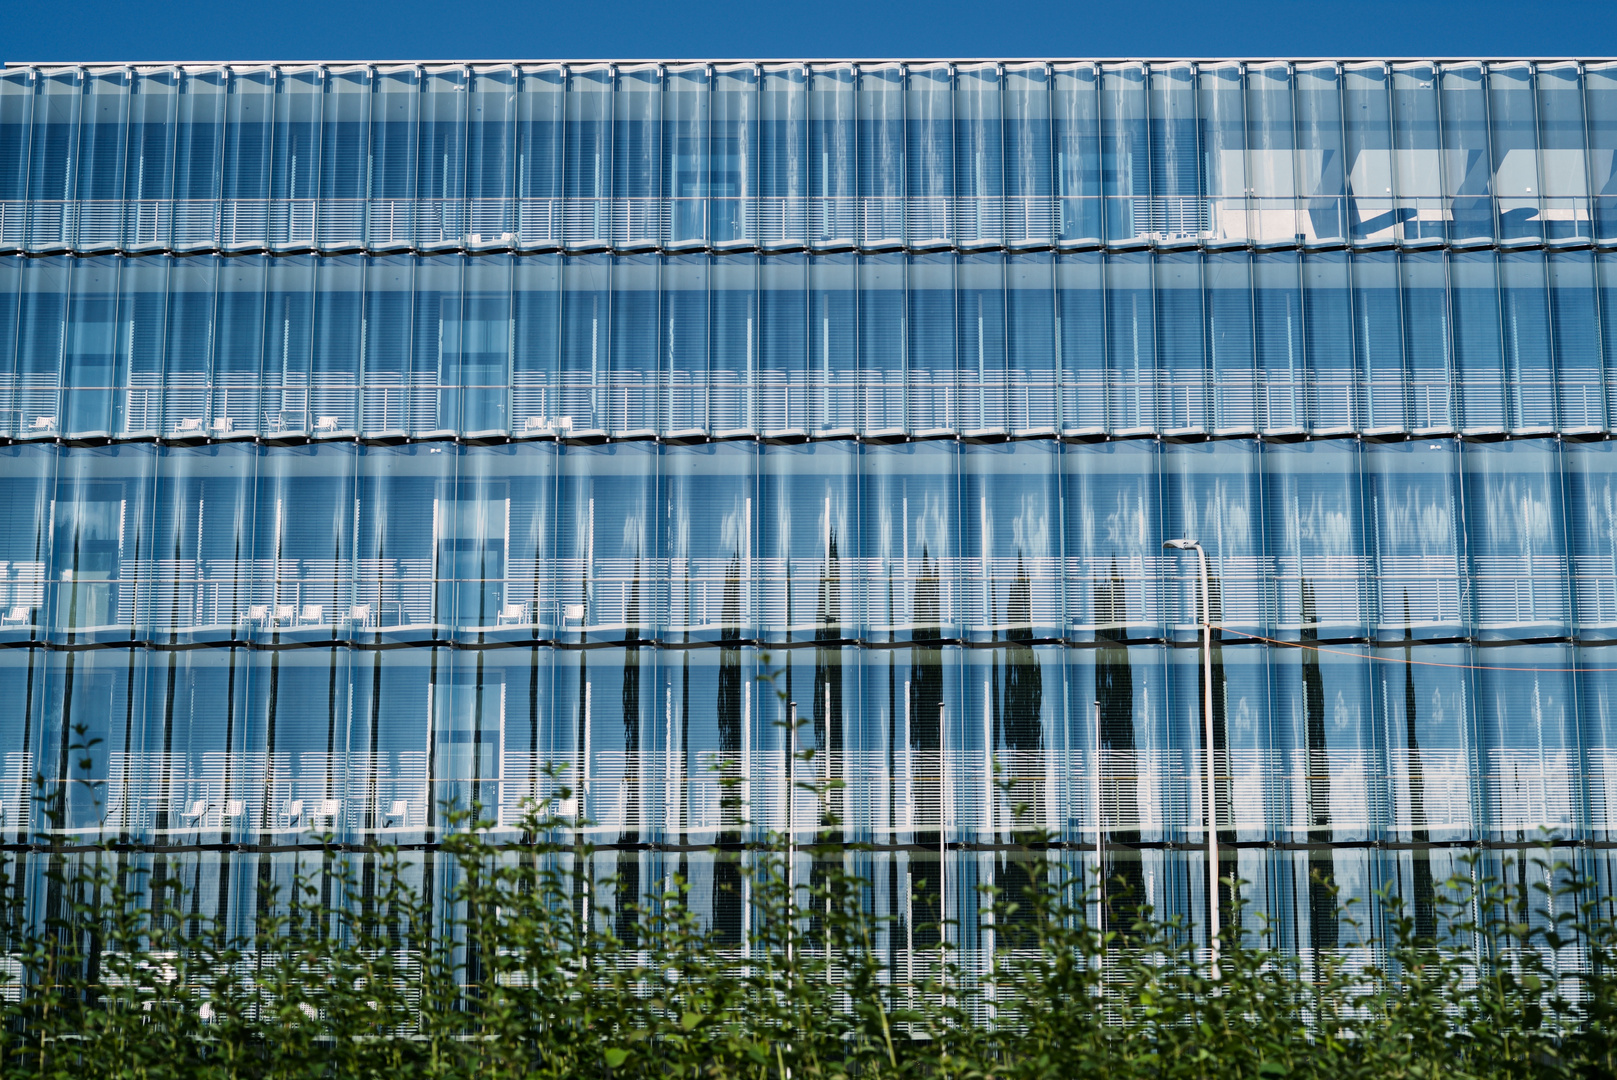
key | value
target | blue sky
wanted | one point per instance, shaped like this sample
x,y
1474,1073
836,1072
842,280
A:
x,y
200,30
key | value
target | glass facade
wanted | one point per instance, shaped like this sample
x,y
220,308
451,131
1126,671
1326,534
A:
x,y
378,439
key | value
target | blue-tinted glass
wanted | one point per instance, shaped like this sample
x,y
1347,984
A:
x,y
1028,130
978,155
540,124
1600,98
1080,341
1564,195
190,330
1330,776
1367,120
1314,533
935,403
1228,303
1273,154
783,345
1467,175
294,164
249,138
911,531
631,390
685,344
607,562
883,343
1031,401
1413,530
1527,721
1322,166
637,105
1515,536
1514,138
99,576
587,143
1124,146
150,160
833,324
1575,333
1425,699
831,156
1597,719
783,167
708,542
1075,134
733,162
535,344
733,343
1525,310
203,538
980,342
344,145
53,157
1591,530
395,124
103,135
1212,494
238,348
880,154
1426,341
90,386
1180,330
303,543
288,338
1223,148
16,108
1417,153
441,170
27,486
1278,336
199,159
41,329
486,340
1011,521
808,583
435,347
1113,539
490,158
1378,340
1131,347
1478,347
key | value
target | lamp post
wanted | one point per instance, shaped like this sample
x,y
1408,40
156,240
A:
x,y
1207,740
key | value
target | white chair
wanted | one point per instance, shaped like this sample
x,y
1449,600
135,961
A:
x,y
44,423
313,615
572,611
512,614
294,809
360,614
329,808
189,425
223,425
399,809
286,612
234,808
17,616
196,809
325,423
535,423
258,613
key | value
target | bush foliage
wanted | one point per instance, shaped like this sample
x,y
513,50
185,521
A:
x,y
518,970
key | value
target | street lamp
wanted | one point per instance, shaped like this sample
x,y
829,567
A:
x,y
1207,740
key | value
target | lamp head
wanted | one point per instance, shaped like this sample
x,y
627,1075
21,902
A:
x,y
1180,545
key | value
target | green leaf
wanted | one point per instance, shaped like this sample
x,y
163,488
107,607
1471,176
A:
x,y
615,1057
690,1020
